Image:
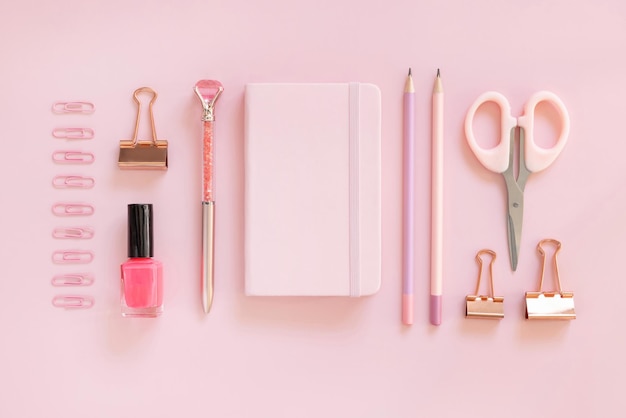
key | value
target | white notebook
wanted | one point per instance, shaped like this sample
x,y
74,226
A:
x,y
312,189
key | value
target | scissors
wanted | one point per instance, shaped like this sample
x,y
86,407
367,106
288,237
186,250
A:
x,y
532,158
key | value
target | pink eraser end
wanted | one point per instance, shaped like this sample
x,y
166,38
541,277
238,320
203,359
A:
x,y
435,309
407,309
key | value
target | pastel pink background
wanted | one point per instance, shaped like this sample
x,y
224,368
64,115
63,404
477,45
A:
x,y
310,357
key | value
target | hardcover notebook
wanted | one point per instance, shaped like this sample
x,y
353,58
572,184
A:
x,y
312,189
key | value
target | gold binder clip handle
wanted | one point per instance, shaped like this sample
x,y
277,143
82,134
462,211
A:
x,y
555,304
557,279
137,154
484,306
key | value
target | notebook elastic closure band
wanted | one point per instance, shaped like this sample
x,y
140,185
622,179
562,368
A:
x,y
355,262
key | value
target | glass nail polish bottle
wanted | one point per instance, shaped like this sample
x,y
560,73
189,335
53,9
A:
x,y
142,275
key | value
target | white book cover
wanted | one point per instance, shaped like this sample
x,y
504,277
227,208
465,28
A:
x,y
312,189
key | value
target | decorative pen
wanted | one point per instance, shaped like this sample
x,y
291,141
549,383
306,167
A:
x,y
208,91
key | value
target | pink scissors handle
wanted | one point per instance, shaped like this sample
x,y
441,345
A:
x,y
536,157
495,159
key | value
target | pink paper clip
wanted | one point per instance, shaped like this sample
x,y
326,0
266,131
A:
x,y
72,301
73,107
73,157
73,232
78,279
73,133
72,257
72,209
73,182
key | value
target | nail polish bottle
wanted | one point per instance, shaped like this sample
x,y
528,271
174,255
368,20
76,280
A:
x,y
142,275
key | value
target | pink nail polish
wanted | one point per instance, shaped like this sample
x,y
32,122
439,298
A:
x,y
142,275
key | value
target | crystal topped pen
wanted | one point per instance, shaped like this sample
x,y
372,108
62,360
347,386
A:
x,y
208,91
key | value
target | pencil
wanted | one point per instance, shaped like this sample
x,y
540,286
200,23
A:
x,y
408,238
436,239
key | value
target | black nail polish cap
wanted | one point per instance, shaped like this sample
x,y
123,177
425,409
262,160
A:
x,y
140,237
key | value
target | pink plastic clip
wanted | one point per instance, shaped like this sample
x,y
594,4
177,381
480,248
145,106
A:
x,y
72,301
73,107
78,279
73,133
73,232
72,209
73,157
73,182
72,257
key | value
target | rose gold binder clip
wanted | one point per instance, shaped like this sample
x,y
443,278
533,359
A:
x,y
73,107
73,157
555,304
143,155
480,306
73,301
72,257
72,209
73,133
78,279
76,232
73,182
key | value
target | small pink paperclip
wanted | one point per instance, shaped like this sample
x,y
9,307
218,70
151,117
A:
x,y
73,133
73,157
72,257
72,301
78,279
73,232
73,107
72,209
73,182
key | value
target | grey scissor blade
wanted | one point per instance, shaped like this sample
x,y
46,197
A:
x,y
515,216
513,242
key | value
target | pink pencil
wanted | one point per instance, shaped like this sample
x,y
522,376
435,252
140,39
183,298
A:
x,y
408,239
436,238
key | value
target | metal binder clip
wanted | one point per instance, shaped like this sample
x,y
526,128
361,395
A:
x,y
73,157
72,257
73,107
554,304
73,182
79,279
143,155
73,133
72,301
480,306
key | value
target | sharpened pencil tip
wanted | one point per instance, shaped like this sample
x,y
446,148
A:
x,y
438,75
409,71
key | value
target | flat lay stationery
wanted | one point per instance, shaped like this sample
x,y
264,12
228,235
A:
x,y
317,211
312,189
532,158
